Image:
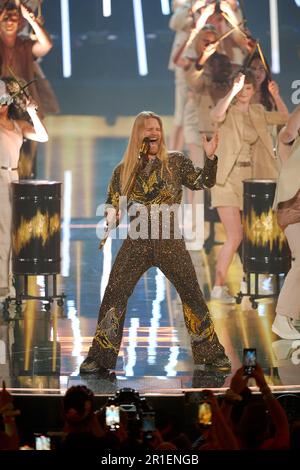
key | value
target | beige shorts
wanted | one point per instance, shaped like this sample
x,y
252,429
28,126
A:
x,y
231,193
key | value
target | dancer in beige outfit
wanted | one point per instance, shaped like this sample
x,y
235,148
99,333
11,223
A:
x,y
246,151
287,204
12,132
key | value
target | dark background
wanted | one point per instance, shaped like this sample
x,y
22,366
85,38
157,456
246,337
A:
x,y
105,79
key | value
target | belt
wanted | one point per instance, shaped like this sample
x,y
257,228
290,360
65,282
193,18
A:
x,y
8,168
243,164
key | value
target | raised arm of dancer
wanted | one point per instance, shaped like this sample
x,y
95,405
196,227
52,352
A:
x,y
180,19
37,130
280,104
292,127
43,42
219,111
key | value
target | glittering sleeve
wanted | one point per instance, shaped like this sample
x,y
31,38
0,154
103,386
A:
x,y
114,188
198,178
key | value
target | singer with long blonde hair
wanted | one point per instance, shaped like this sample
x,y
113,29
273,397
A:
x,y
157,184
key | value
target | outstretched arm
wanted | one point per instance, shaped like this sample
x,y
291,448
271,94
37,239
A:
x,y
226,439
290,131
37,130
280,104
276,411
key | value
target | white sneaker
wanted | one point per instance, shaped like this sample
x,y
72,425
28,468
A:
x,y
221,293
283,327
296,323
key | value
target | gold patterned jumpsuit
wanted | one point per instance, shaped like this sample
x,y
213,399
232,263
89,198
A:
x,y
156,186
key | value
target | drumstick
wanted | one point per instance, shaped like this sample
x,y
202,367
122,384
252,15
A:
x,y
236,26
262,57
192,36
15,78
39,14
195,32
22,89
249,59
225,35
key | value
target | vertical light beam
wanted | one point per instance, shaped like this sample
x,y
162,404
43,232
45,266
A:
x,y
107,262
165,7
140,37
275,50
106,7
66,232
66,38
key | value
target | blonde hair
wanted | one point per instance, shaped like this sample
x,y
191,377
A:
x,y
131,153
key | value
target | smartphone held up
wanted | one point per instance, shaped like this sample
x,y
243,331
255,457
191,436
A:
x,y
249,360
112,417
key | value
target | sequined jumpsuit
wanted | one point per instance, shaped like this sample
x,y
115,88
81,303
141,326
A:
x,y
155,185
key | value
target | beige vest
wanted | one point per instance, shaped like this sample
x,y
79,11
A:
x,y
231,133
288,183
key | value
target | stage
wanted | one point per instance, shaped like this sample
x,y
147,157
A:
x,y
41,351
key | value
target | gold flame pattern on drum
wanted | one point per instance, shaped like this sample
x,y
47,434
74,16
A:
x,y
263,229
40,226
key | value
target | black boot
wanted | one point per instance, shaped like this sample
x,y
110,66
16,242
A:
x,y
91,366
210,354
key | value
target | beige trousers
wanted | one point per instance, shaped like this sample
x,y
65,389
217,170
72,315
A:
x,y
289,298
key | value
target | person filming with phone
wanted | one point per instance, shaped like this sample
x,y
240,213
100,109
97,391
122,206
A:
x,y
258,421
216,434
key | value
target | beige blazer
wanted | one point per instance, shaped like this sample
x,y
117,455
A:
x,y
231,133
288,183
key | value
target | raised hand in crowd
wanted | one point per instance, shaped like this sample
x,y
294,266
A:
x,y
218,435
9,439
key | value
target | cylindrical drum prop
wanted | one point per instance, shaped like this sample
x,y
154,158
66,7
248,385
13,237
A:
x,y
265,249
36,227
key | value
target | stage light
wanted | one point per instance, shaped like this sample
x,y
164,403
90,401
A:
x,y
106,6
155,318
140,37
132,345
165,7
66,38
107,263
275,50
66,232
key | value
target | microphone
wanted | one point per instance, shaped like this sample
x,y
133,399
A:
x,y
144,149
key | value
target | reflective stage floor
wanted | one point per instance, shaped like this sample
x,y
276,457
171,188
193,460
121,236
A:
x,y
41,352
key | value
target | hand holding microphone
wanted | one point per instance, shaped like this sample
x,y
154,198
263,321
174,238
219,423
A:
x,y
144,149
